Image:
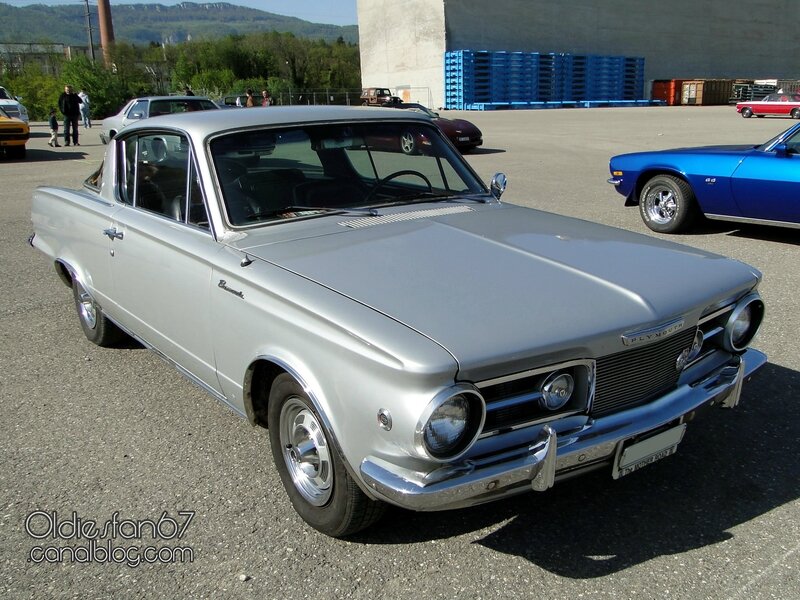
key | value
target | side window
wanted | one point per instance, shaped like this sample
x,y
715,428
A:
x,y
157,174
138,110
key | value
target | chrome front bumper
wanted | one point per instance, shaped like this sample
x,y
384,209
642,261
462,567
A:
x,y
551,456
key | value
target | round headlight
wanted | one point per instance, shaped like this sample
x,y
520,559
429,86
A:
x,y
453,422
557,390
744,323
446,426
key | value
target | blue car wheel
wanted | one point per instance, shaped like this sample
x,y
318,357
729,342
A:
x,y
667,204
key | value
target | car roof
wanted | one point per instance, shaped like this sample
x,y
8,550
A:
x,y
205,123
172,98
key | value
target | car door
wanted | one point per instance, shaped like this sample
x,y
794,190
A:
x,y
164,250
766,186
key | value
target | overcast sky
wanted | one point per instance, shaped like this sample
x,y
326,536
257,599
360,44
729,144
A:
x,y
337,12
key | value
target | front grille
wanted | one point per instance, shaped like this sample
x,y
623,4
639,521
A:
x,y
635,376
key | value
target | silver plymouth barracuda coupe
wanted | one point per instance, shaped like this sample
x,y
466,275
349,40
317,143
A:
x,y
342,277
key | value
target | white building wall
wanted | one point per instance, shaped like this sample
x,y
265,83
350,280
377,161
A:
x,y
402,47
403,43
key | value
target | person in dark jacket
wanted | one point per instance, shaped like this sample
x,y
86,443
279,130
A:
x,y
69,103
53,143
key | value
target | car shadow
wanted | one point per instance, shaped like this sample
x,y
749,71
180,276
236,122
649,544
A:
x,y
783,235
476,151
53,154
731,467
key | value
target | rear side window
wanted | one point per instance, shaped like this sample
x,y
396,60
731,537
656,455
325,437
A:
x,y
157,174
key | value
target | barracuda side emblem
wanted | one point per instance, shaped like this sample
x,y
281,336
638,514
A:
x,y
224,285
647,336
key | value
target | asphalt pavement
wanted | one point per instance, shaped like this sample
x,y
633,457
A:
x,y
117,441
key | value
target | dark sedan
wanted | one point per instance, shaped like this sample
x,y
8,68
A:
x,y
464,135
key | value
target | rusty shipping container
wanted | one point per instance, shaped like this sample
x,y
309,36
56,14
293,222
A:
x,y
706,92
668,90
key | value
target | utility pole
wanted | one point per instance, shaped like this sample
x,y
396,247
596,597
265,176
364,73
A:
x,y
89,29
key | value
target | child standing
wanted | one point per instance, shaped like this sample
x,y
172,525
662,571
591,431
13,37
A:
x,y
53,143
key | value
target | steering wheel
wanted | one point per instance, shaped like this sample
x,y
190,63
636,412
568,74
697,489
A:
x,y
395,175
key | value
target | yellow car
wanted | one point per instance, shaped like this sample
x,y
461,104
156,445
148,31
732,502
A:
x,y
14,134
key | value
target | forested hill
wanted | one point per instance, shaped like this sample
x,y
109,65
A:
x,y
145,23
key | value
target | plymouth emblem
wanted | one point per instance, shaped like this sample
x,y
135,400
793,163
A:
x,y
647,336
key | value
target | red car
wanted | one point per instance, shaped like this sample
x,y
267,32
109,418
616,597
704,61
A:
x,y
465,135
779,103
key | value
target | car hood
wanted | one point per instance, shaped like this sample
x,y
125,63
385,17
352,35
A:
x,y
456,126
702,150
498,283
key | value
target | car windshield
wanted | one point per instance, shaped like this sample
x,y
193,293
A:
x,y
790,137
418,108
4,94
276,174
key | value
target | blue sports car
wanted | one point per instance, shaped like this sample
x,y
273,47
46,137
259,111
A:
x,y
748,184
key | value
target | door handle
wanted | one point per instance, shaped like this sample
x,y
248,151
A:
x,y
112,233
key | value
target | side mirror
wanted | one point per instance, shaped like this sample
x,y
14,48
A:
x,y
137,115
498,185
781,150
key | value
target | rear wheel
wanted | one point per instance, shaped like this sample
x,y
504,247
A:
x,y
747,112
667,204
311,469
795,113
97,327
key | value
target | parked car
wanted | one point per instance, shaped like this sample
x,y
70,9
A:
x,y
377,96
406,337
13,105
464,134
14,134
783,104
233,101
747,184
152,106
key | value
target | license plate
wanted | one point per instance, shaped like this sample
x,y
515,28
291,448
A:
x,y
638,455
463,139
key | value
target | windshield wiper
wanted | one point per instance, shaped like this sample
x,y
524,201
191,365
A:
x,y
313,209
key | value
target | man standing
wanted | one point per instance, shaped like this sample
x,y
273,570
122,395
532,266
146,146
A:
x,y
69,103
85,116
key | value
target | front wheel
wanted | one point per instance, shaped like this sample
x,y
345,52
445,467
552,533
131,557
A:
x,y
311,469
795,113
747,112
667,204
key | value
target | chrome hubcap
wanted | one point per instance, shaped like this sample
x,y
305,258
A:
x,y
661,205
87,309
306,452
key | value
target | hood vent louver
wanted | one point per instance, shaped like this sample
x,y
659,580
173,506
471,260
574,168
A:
x,y
405,216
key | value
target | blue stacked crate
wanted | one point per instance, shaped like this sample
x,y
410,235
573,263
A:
x,y
605,78
575,80
551,71
484,80
522,77
633,86
467,78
